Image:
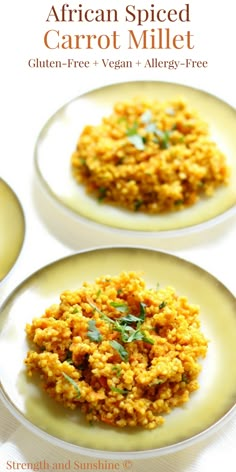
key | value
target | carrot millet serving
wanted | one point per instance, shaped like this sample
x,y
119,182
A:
x,y
123,353
149,156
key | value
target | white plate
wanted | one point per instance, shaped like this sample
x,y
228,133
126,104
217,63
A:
x,y
57,141
208,408
12,229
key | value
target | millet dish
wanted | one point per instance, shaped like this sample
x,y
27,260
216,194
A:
x,y
149,156
121,352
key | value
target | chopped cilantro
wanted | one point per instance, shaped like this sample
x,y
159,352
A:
x,y
146,116
142,314
120,390
120,349
94,307
121,307
133,130
185,378
165,140
129,319
117,370
101,193
151,128
162,305
137,141
156,382
122,119
135,138
137,204
139,335
72,382
75,310
93,333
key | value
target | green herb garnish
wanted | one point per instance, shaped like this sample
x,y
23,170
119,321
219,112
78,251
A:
x,y
146,116
162,305
135,138
117,370
120,390
139,335
129,319
69,357
122,119
165,140
185,378
72,382
101,193
137,141
120,349
124,330
133,130
121,307
142,314
93,333
156,382
75,310
137,204
161,137
94,307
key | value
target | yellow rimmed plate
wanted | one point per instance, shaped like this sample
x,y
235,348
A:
x,y
208,408
12,228
57,141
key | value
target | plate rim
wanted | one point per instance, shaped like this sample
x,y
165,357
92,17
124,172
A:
x,y
100,453
23,217
170,233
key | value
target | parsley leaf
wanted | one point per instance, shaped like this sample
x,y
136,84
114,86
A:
x,y
142,315
120,349
119,390
94,307
102,191
102,315
93,333
162,305
121,307
146,116
137,204
185,378
137,141
117,370
129,319
72,382
75,310
132,131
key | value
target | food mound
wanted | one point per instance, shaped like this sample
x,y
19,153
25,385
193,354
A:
x,y
121,352
149,156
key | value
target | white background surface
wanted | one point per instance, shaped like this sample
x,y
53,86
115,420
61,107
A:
x,y
29,97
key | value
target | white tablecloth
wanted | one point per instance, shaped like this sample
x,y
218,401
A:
x,y
28,97
19,448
